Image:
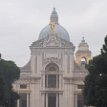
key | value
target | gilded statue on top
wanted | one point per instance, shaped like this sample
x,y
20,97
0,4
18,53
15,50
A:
x,y
52,26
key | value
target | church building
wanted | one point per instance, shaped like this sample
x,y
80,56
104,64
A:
x,y
54,75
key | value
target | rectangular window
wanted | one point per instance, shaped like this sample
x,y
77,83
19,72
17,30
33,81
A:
x,y
51,100
23,86
80,86
80,101
51,81
23,100
45,81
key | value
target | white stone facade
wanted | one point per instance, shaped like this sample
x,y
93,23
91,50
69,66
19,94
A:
x,y
51,78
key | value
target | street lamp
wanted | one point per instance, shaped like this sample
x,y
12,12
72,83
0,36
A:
x,y
100,74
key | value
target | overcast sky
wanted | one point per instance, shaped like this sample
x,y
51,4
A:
x,y
22,20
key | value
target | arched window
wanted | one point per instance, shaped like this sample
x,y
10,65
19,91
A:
x,y
51,76
83,61
52,67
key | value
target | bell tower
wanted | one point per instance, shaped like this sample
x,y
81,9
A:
x,y
83,54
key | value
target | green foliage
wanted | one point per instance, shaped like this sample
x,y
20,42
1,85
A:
x,y
104,49
95,90
9,72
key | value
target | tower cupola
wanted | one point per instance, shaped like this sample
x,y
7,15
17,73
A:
x,y
83,54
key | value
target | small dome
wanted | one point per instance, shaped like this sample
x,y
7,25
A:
x,y
59,30
83,46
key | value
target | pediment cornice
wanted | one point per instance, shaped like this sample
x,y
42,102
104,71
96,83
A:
x,y
52,41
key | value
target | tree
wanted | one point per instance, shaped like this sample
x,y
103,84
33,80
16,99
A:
x,y
9,72
95,89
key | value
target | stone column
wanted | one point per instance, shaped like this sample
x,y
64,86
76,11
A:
x,y
46,100
75,100
43,81
17,103
60,82
60,100
56,100
42,98
28,100
33,64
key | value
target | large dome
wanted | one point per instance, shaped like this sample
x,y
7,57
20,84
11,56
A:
x,y
59,30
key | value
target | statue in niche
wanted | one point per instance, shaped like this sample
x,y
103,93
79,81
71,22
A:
x,y
52,26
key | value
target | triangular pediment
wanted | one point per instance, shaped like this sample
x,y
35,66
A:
x,y
52,40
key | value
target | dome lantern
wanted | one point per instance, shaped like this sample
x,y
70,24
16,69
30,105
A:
x,y
54,17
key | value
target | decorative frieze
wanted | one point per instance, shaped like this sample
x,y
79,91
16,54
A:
x,y
68,81
52,60
29,80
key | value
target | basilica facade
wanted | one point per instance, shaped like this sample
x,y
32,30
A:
x,y
54,75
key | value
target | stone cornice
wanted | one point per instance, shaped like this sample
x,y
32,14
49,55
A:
x,y
52,91
32,80
52,60
52,42
23,90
